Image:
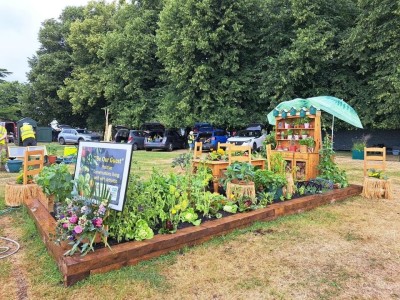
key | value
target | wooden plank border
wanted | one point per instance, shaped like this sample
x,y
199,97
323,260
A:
x,y
76,268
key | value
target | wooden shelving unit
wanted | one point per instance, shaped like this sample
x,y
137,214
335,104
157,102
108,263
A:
x,y
302,164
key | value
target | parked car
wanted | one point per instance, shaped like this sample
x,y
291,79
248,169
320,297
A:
x,y
74,136
210,139
249,136
134,137
202,127
168,139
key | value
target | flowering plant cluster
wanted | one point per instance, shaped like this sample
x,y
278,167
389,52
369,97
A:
x,y
80,220
217,155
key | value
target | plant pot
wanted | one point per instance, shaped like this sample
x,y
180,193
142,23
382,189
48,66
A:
x,y
304,136
289,137
306,125
51,159
287,125
303,148
292,148
14,166
310,149
357,154
296,137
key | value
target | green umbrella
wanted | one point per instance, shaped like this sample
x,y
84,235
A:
x,y
335,106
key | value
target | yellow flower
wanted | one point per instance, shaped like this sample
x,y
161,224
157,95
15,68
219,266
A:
x,y
221,151
173,211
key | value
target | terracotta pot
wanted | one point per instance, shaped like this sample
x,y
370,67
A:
x,y
51,159
292,148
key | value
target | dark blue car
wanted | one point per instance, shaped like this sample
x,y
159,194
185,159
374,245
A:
x,y
210,139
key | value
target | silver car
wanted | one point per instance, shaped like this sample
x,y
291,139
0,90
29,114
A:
x,y
74,136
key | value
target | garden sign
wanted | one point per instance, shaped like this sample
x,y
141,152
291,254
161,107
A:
x,y
108,164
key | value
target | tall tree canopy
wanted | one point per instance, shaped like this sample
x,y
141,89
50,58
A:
x,y
209,50
11,94
132,71
85,87
372,49
226,61
50,66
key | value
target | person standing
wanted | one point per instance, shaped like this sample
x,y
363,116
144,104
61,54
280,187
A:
x,y
3,141
27,135
191,140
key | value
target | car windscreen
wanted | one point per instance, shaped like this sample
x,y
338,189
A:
x,y
248,133
83,131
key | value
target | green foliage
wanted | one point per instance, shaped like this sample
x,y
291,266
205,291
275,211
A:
x,y
184,160
240,171
56,180
52,149
309,142
327,167
278,164
360,143
11,94
266,180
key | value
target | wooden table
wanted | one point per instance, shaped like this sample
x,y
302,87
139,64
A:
x,y
217,166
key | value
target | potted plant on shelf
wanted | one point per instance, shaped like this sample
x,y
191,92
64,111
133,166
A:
x,y
306,122
307,145
290,134
303,134
51,153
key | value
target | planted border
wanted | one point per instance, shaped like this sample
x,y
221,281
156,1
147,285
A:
x,y
76,268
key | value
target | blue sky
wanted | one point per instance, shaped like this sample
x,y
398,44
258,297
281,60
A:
x,y
20,21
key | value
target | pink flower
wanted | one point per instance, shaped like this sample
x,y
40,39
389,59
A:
x,y
78,229
73,219
97,222
65,225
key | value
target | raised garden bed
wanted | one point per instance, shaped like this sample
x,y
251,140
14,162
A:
x,y
76,268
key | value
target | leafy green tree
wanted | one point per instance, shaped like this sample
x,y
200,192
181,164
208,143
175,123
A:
x,y
302,42
50,66
84,88
10,98
3,74
132,76
372,50
210,50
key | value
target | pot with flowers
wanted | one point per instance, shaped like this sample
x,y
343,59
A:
x,y
219,154
357,150
80,220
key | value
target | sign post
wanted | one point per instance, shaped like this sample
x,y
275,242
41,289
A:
x,y
108,164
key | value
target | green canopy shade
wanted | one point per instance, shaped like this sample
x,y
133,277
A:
x,y
335,106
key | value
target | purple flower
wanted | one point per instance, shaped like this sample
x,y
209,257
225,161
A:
x,y
78,229
98,222
73,219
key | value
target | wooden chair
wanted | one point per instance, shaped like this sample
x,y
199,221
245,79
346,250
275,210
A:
x,y
198,150
245,155
223,146
375,158
33,163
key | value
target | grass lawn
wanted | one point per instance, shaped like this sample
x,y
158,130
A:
x,y
348,250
